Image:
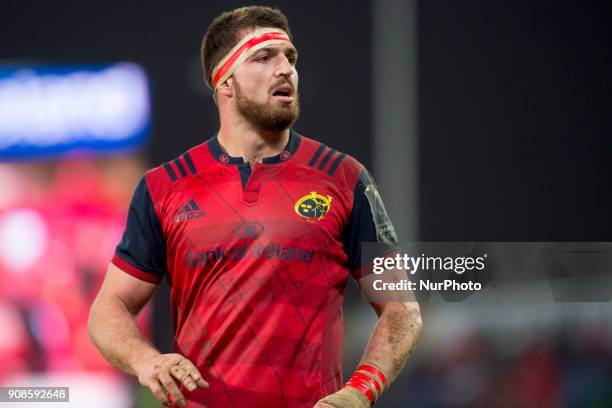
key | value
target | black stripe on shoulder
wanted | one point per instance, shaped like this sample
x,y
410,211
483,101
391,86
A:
x,y
326,158
317,154
189,162
335,164
171,172
180,167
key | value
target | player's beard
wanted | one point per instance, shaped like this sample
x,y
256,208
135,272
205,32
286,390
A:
x,y
267,116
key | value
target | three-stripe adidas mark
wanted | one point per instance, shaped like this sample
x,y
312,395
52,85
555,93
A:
x,y
189,211
179,167
329,153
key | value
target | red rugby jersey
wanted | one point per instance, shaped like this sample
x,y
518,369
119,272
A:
x,y
257,261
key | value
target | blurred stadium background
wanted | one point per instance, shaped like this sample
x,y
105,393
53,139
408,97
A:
x,y
481,121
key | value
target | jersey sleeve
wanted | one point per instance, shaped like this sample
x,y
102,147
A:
x,y
142,250
368,223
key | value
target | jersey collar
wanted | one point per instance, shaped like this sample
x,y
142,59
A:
x,y
220,155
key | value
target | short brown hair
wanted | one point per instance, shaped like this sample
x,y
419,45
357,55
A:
x,y
223,33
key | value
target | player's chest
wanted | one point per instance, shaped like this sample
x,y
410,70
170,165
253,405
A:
x,y
266,203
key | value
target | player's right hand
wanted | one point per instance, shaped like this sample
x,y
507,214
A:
x,y
159,373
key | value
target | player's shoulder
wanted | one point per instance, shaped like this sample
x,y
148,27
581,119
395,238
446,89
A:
x,y
189,164
329,161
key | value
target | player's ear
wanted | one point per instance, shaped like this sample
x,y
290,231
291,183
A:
x,y
226,88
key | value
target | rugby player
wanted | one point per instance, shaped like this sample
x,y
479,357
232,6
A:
x,y
257,231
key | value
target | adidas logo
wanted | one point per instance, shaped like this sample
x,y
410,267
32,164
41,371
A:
x,y
189,211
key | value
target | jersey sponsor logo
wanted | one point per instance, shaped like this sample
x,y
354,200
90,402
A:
x,y
270,250
188,211
313,206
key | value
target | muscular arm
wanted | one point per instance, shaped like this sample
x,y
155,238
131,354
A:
x,y
394,336
113,330
390,344
111,325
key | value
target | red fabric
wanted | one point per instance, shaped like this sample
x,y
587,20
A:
x,y
256,288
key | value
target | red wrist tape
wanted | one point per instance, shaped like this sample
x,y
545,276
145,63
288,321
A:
x,y
361,386
367,379
375,371
365,383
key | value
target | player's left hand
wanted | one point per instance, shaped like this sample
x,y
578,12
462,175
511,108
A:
x,y
346,397
323,405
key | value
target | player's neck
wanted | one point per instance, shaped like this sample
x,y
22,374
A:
x,y
242,140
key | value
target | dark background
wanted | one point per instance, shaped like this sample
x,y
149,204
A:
x,y
515,118
333,41
515,98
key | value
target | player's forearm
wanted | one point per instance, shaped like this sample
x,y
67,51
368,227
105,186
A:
x,y
113,330
393,338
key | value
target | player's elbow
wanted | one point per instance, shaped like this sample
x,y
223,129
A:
x,y
418,323
416,311
99,313
92,321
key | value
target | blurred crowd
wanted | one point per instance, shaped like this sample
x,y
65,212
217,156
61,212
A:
x,y
566,367
59,224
